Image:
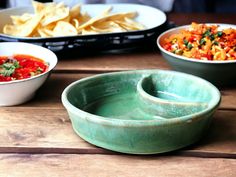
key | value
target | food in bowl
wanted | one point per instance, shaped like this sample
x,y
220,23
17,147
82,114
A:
x,y
19,67
218,72
203,42
52,20
18,91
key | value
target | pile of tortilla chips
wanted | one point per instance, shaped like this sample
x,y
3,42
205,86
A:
x,y
52,20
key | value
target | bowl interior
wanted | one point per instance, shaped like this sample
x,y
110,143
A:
x,y
116,96
108,96
176,88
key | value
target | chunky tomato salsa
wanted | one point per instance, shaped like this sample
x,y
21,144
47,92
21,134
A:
x,y
19,67
204,42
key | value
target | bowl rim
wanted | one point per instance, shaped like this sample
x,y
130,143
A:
x,y
141,92
130,123
193,59
51,66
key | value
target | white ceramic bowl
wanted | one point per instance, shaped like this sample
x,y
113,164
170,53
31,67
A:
x,y
20,91
220,73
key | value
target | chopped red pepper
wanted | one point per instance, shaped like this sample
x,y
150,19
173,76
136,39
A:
x,y
20,67
204,42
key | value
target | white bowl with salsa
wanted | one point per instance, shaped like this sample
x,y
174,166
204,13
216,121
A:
x,y
23,69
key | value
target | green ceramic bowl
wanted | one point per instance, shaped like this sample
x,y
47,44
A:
x,y
142,111
220,73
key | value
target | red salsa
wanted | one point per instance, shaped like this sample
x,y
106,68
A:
x,y
19,67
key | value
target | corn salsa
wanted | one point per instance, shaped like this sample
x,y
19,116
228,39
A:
x,y
203,42
19,67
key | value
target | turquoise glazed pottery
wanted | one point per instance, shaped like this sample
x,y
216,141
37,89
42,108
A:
x,y
220,73
158,100
142,111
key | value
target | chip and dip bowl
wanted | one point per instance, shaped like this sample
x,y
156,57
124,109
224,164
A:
x,y
142,111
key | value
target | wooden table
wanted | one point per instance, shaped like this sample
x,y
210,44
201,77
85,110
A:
x,y
36,138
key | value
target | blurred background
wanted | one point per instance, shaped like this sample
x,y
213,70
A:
x,y
186,6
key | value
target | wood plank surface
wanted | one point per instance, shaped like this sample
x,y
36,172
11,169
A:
x,y
112,62
49,130
42,125
18,165
49,95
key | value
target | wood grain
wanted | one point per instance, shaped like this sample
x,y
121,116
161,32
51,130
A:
x,y
17,165
42,125
49,95
49,130
112,62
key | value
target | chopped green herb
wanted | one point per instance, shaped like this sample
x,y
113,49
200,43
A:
x,y
189,46
207,33
7,69
185,42
202,41
219,33
212,37
215,43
